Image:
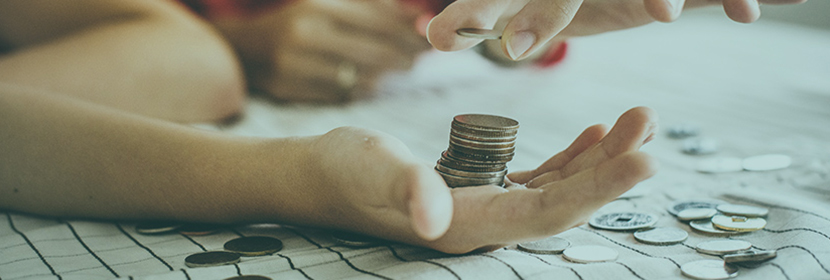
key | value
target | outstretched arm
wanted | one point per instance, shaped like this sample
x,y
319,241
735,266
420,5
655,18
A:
x,y
146,57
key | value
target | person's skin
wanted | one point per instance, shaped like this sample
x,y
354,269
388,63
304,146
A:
x,y
65,157
147,57
294,52
531,25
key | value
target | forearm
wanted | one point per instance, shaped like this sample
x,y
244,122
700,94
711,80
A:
x,y
160,62
64,157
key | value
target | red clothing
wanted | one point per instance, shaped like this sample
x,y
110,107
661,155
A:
x,y
247,8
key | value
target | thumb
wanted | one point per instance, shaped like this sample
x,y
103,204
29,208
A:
x,y
429,202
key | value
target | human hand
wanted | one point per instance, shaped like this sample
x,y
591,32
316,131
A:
x,y
529,25
375,186
326,50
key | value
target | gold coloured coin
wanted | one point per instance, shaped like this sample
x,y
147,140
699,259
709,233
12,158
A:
x,y
212,258
738,223
254,245
350,239
156,227
706,227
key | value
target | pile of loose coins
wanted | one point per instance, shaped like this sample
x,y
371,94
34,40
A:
x,y
707,216
236,249
480,148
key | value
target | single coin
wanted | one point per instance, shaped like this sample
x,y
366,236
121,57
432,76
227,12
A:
x,y
685,130
156,227
548,246
199,229
700,146
767,162
720,165
750,256
743,210
678,206
456,172
486,122
254,245
738,223
661,235
213,258
248,277
477,33
691,214
623,221
723,247
350,239
709,270
590,254
706,227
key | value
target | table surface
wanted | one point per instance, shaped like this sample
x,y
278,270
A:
x,y
758,89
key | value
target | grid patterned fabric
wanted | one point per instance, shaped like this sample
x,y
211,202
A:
x,y
758,89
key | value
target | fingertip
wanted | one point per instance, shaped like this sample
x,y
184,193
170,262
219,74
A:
x,y
664,10
743,11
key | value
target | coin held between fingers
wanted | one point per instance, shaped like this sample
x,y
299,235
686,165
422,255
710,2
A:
x,y
478,33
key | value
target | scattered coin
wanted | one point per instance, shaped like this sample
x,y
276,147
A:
x,y
708,270
623,221
661,235
767,162
199,229
738,223
590,254
723,247
720,165
548,246
676,207
249,277
700,146
691,214
680,131
750,256
477,33
743,210
355,240
212,258
156,227
705,226
254,245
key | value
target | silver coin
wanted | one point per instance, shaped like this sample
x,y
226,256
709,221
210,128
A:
x,y
355,240
700,146
480,144
720,165
723,247
477,33
743,210
738,223
156,227
481,157
678,206
483,151
454,163
462,173
750,256
623,221
767,162
549,246
661,235
706,227
685,130
691,214
590,254
212,258
708,270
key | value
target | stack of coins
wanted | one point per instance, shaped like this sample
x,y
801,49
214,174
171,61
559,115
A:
x,y
480,147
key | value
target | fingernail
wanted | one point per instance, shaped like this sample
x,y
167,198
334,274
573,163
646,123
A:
x,y
675,6
426,30
519,43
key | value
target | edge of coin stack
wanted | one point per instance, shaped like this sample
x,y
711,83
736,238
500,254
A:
x,y
480,148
